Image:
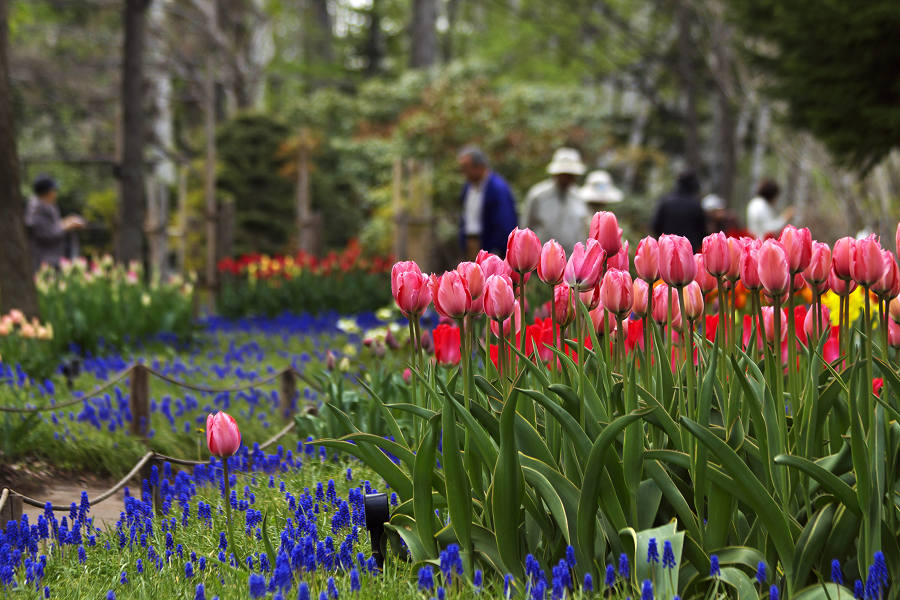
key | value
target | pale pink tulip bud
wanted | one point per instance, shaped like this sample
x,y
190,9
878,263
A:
x,y
450,295
620,260
564,298
640,291
693,301
523,250
841,287
816,273
591,298
889,284
735,249
646,259
703,278
552,264
772,266
750,266
768,313
617,292
223,436
474,276
585,265
716,257
840,257
676,260
605,229
866,264
797,245
809,322
499,297
661,304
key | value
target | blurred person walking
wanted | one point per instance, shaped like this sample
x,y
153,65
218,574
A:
x,y
47,230
488,206
554,207
762,219
680,213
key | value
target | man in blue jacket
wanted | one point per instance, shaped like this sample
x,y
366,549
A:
x,y
488,206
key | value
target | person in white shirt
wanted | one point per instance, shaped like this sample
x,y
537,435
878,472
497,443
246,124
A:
x,y
554,208
762,218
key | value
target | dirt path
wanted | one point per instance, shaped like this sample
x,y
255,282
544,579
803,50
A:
x,y
63,493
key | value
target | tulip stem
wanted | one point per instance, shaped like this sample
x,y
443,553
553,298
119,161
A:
x,y
867,325
522,314
883,312
581,333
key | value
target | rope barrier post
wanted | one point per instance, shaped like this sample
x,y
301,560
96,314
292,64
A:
x,y
140,401
11,509
288,393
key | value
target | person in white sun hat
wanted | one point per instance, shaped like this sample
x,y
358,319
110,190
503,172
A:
x,y
554,208
598,191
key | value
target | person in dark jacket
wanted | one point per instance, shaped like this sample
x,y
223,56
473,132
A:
x,y
46,230
680,212
488,206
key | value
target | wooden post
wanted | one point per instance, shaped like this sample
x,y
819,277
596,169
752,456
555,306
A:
x,y
11,509
304,241
140,402
211,208
154,489
288,393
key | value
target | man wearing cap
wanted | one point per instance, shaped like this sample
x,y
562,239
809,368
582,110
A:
x,y
554,208
46,229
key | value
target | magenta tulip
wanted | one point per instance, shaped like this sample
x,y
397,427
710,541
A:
x,y
840,257
617,292
564,298
809,322
866,263
693,301
797,245
451,295
772,267
474,276
716,257
841,287
750,266
412,293
620,259
661,304
491,264
605,229
552,264
223,436
703,278
499,298
889,285
405,266
676,260
768,313
646,259
585,265
640,292
523,250
816,273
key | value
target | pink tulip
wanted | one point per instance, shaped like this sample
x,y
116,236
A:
x,y
552,264
661,304
451,295
405,266
646,259
816,273
564,298
499,298
693,301
620,260
894,309
841,287
809,322
716,256
412,292
474,276
750,266
797,246
703,278
591,298
889,284
866,264
840,257
523,250
603,320
491,264
893,334
223,436
676,260
772,266
897,239
605,229
768,313
407,375
640,291
585,265
735,249
617,292
514,318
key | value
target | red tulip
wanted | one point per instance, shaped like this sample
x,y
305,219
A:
x,y
768,313
661,304
889,284
591,297
451,295
474,276
841,287
552,264
693,301
447,344
399,268
866,264
491,264
585,265
816,273
646,259
750,266
617,292
735,249
223,436
676,260
499,298
703,278
412,293
840,257
605,229
772,266
564,298
523,250
640,291
620,260
797,246
716,256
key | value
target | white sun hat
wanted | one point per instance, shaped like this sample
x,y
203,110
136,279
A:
x,y
599,189
566,161
712,202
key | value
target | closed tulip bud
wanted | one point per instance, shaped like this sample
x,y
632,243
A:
x,y
703,278
491,264
840,257
523,250
330,361
809,322
585,265
412,292
816,272
772,266
451,295
640,291
866,264
402,267
661,304
894,309
646,259
693,301
750,266
620,260
768,313
605,229
499,298
564,299
515,318
223,436
735,249
889,285
716,257
841,287
474,276
893,334
797,245
676,260
617,292
552,264
591,298
602,320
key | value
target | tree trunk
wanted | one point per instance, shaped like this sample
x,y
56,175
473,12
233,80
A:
x,y
726,154
423,30
374,47
447,47
687,73
129,231
16,283
321,36
760,143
